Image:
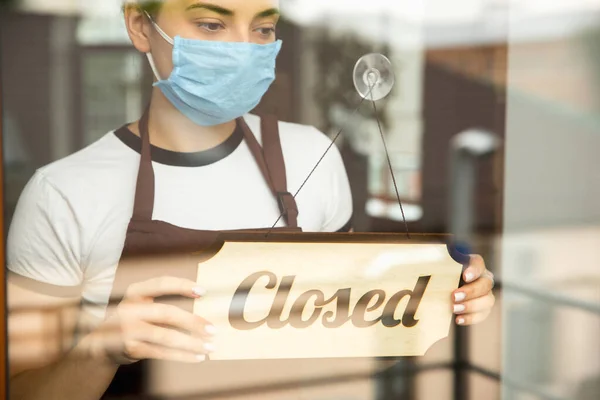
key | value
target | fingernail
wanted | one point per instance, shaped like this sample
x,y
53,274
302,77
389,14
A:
x,y
469,276
459,308
460,296
461,321
201,357
198,291
210,329
209,347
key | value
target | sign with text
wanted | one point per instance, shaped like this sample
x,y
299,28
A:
x,y
273,300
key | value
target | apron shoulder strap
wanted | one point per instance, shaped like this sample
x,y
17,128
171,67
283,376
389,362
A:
x,y
143,204
271,144
270,161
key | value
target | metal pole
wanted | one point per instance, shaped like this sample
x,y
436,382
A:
x,y
466,148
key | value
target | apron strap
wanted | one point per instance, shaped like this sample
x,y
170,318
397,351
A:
x,y
272,165
269,126
143,205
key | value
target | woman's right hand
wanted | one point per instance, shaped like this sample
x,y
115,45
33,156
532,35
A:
x,y
139,328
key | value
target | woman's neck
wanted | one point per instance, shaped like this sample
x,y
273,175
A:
x,y
171,130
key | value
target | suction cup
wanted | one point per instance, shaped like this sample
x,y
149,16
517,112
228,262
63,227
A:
x,y
373,71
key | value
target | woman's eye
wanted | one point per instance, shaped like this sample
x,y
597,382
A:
x,y
267,31
211,26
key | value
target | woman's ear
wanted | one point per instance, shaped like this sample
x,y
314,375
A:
x,y
138,28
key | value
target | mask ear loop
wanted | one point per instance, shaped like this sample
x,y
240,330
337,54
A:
x,y
153,66
166,37
159,30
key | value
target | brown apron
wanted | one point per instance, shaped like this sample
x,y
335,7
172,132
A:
x,y
156,248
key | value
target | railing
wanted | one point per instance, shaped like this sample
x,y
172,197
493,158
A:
x,y
467,148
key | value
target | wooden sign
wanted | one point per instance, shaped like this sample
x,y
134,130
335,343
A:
x,y
318,299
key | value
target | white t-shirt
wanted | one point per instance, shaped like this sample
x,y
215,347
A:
x,y
69,226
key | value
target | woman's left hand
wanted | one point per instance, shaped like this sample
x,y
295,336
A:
x,y
473,302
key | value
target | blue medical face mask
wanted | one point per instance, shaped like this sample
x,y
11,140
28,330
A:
x,y
216,82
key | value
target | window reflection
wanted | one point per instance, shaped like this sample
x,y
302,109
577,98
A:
x,y
69,75
111,89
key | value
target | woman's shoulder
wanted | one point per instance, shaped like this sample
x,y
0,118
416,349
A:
x,y
64,208
105,156
102,167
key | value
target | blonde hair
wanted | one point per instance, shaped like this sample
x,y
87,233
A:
x,y
150,6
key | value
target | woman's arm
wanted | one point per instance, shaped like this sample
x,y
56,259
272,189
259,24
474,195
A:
x,y
45,257
43,295
41,327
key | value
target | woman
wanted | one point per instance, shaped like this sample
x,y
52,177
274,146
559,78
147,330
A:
x,y
213,61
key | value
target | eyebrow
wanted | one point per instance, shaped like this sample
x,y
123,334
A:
x,y
267,13
210,7
224,11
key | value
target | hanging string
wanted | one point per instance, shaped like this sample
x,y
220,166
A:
x,y
320,159
369,93
387,154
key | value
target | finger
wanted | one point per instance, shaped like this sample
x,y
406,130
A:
x,y
142,351
479,288
172,316
475,268
471,319
164,286
171,339
480,304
